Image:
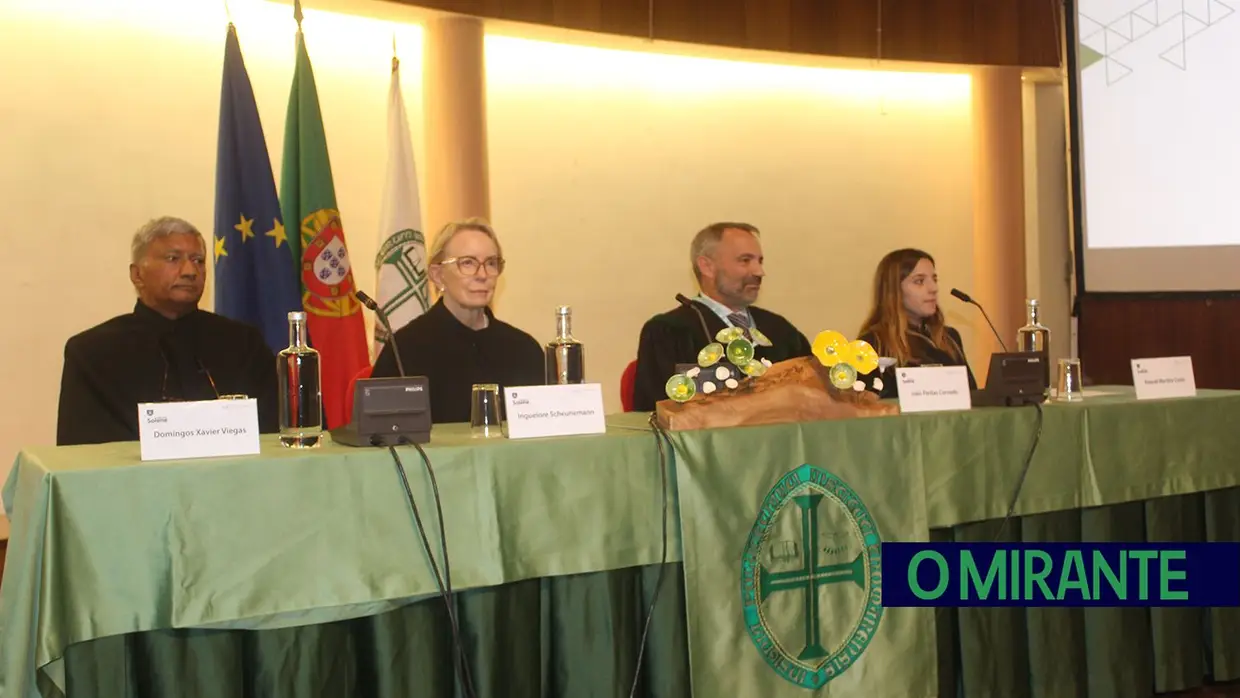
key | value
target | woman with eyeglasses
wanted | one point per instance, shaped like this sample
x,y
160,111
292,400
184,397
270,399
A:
x,y
459,342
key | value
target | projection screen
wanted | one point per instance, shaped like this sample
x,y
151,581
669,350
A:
x,y
1156,110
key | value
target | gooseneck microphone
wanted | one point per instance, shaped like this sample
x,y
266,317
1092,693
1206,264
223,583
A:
x,y
680,298
383,318
965,297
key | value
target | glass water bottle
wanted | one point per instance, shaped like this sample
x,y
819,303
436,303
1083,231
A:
x,y
566,360
1035,336
301,397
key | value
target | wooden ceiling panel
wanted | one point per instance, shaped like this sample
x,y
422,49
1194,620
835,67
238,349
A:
x,y
981,32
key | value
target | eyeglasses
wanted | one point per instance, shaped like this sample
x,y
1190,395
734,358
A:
x,y
469,265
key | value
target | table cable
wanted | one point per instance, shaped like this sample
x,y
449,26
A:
x,y
659,436
1024,471
444,581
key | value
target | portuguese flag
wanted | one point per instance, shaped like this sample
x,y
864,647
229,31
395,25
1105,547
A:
x,y
334,318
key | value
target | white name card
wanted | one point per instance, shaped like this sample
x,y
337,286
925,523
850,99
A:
x,y
200,429
554,410
933,389
1169,376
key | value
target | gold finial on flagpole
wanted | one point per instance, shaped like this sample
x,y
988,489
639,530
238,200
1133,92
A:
x,y
228,13
297,12
395,60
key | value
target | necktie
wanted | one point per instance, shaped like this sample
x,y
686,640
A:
x,y
740,320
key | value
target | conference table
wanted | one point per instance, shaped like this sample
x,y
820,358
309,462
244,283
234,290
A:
x,y
302,572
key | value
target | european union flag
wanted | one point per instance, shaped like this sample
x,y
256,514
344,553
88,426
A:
x,y
255,274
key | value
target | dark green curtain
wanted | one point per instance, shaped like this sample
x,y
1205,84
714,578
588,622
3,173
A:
x,y
578,636
1096,652
563,637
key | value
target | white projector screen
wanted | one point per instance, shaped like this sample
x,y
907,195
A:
x,y
1157,109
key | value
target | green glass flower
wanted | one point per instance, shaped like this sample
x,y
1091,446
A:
x,y
680,388
728,334
754,368
740,352
759,338
843,376
710,354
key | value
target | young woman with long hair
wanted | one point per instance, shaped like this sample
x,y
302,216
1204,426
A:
x,y
905,321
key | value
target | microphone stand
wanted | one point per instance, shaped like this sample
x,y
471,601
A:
x,y
967,299
693,306
383,319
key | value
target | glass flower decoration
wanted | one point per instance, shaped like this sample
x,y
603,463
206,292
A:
x,y
724,364
740,351
847,360
680,388
827,347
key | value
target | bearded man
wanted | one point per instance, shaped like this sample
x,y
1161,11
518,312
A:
x,y
727,261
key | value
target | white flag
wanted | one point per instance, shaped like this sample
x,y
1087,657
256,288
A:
x,y
400,265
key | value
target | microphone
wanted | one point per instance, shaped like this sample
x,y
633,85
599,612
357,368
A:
x,y
383,318
962,296
965,297
680,298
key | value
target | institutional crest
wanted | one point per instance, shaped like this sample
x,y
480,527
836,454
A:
x,y
326,273
400,267
811,577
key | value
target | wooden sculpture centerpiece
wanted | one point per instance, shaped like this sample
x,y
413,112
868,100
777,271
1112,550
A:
x,y
729,387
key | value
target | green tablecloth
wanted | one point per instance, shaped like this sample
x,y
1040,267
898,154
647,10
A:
x,y
104,546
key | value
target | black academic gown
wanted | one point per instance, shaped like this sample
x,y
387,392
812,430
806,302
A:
x,y
112,367
924,352
454,358
676,337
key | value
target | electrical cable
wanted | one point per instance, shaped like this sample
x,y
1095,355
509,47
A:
x,y
659,437
444,587
1020,484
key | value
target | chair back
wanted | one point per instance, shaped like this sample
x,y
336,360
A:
x,y
627,381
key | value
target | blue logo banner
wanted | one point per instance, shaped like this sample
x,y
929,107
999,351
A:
x,y
1061,574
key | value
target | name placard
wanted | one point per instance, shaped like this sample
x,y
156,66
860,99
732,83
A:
x,y
554,410
199,429
1168,376
933,389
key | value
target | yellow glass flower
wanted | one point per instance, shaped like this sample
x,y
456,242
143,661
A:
x,y
861,356
828,346
728,334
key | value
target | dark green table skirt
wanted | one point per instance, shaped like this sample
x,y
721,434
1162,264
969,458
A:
x,y
579,637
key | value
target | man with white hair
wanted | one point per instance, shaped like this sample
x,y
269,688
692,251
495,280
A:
x,y
165,350
727,261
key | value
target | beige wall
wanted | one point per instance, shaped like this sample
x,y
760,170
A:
x,y
602,166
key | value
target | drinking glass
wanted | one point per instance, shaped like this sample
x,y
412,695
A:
x,y
1068,388
484,412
